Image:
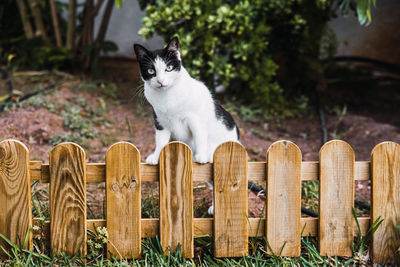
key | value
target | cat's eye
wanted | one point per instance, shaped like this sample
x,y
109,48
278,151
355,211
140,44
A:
x,y
170,68
150,71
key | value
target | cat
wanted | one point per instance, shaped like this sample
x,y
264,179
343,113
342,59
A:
x,y
183,107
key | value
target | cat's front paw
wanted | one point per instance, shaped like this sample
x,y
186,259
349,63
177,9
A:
x,y
152,160
200,158
211,210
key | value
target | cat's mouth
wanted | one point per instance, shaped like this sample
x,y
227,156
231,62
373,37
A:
x,y
162,87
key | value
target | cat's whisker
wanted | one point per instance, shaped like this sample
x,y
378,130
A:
x,y
138,92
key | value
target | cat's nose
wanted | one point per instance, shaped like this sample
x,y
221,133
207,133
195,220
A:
x,y
160,83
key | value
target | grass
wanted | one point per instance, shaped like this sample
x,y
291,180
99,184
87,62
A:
x,y
153,254
310,194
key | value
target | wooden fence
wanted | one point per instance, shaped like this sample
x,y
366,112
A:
x,y
282,173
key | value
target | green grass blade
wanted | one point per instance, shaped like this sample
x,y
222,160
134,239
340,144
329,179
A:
x,y
27,263
28,232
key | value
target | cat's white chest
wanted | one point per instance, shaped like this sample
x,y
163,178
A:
x,y
177,125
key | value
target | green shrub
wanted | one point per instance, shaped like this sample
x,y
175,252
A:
x,y
265,51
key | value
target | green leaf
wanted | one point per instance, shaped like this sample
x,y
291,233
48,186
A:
x,y
119,3
364,12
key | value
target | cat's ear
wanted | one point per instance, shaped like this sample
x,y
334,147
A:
x,y
173,47
140,51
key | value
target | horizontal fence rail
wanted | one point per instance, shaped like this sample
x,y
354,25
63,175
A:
x,y
282,174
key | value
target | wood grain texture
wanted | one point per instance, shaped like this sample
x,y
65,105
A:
x,y
15,193
336,194
309,170
68,199
123,197
283,201
230,201
204,226
362,171
176,198
96,172
385,167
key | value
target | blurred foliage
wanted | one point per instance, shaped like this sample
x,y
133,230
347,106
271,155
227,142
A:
x,y
265,51
268,53
362,9
18,51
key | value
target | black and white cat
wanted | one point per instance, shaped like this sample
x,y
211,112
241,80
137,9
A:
x,y
183,108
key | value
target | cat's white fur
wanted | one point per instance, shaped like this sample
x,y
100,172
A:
x,y
185,109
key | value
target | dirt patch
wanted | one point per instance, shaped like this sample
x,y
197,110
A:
x,y
32,126
129,119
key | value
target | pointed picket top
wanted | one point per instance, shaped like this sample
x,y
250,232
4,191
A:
x,y
283,201
385,202
15,193
336,189
123,197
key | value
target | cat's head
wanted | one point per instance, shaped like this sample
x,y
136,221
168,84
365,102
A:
x,y
159,68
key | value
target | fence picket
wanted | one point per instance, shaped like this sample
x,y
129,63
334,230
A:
x,y
230,201
123,194
15,193
336,194
176,198
68,174
68,199
283,201
385,170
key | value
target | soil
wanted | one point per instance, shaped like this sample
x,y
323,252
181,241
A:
x,y
127,118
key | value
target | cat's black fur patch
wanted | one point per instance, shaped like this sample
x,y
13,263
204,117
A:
x,y
156,122
147,58
225,117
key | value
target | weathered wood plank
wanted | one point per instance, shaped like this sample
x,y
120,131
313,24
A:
x,y
68,199
96,172
15,194
230,201
204,226
385,166
283,201
176,198
309,170
123,196
336,194
362,171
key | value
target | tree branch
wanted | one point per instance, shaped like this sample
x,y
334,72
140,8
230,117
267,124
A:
x,y
87,33
71,25
25,20
104,23
97,8
37,16
55,23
